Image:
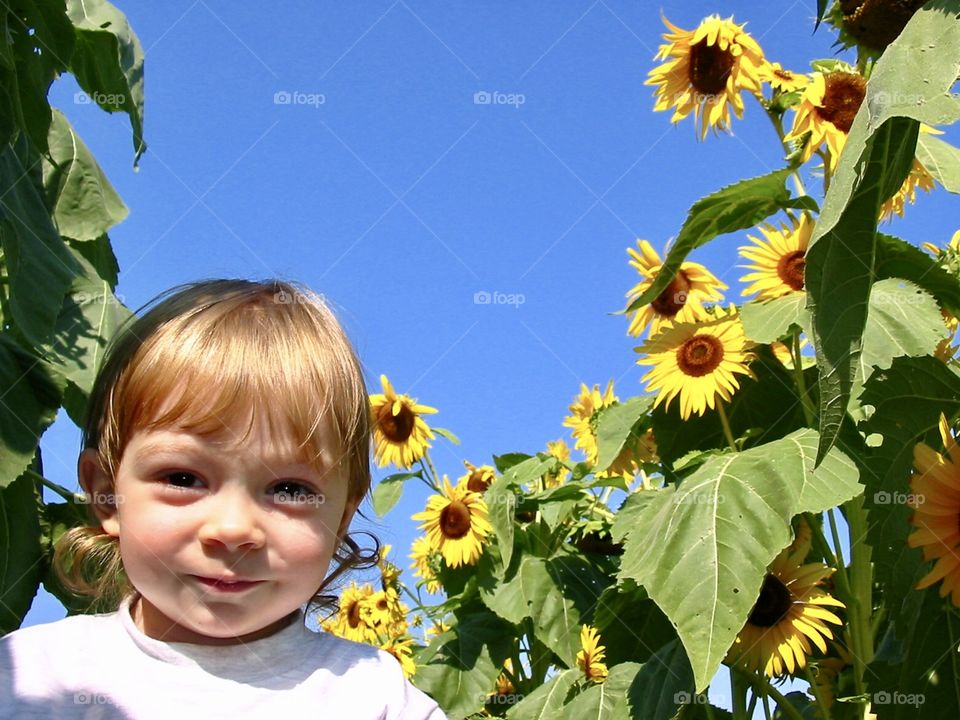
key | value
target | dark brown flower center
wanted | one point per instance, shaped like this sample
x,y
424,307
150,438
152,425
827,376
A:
x,y
773,604
790,269
877,23
709,67
478,481
674,296
699,355
455,520
842,98
353,614
396,428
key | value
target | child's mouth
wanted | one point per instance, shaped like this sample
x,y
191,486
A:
x,y
226,585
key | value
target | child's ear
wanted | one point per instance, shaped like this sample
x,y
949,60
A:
x,y
99,490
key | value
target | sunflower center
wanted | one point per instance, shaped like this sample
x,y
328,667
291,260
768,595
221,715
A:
x,y
709,67
396,428
477,482
353,614
699,355
674,296
790,269
772,605
842,98
876,23
455,520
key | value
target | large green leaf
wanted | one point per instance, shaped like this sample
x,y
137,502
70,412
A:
x,y
463,671
910,84
898,258
767,322
720,529
108,62
546,702
607,700
663,685
630,623
85,205
735,207
614,427
941,160
35,254
21,553
31,396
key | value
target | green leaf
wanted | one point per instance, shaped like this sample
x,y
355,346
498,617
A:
x,y
100,255
502,506
903,320
443,432
941,160
614,426
546,701
663,685
31,397
464,670
388,491
821,12
767,322
85,205
108,62
718,532
631,625
735,207
607,700
909,84
898,258
21,552
35,254
90,316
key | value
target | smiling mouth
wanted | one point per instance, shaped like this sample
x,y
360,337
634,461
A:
x,y
227,585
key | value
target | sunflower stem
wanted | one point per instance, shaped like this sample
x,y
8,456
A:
x,y
727,433
953,659
766,706
763,685
431,471
738,695
777,121
805,401
843,581
824,711
861,581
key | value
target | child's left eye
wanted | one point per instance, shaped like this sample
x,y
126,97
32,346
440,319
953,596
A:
x,y
296,493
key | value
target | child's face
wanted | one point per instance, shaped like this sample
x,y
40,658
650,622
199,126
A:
x,y
222,539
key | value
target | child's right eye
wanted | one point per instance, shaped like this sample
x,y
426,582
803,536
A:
x,y
182,480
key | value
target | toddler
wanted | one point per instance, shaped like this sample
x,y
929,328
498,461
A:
x,y
225,452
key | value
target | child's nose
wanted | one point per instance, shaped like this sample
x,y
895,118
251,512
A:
x,y
233,521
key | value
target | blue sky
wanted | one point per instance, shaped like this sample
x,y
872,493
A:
x,y
383,185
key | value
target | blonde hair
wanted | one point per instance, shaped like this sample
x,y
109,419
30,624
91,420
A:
x,y
215,348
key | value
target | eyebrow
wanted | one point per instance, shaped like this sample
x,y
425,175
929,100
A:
x,y
172,447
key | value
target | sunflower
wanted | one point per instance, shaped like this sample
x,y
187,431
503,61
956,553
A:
x,y
790,612
353,620
583,421
386,613
705,72
827,109
456,524
778,259
697,361
940,253
425,562
681,301
935,500
504,685
400,434
782,80
389,573
561,451
477,479
918,177
401,650
946,350
590,657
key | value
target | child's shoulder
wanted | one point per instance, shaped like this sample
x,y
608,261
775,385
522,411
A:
x,y
57,636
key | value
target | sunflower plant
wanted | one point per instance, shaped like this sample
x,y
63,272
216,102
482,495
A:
x,y
773,517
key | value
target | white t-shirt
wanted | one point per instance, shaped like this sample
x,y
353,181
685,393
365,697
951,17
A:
x,y
102,666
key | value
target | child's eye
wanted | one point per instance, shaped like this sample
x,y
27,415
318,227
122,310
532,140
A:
x,y
296,493
182,480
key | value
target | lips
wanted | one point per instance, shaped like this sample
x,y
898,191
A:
x,y
226,584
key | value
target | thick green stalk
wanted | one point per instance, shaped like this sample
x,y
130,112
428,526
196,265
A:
x,y
861,585
727,433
